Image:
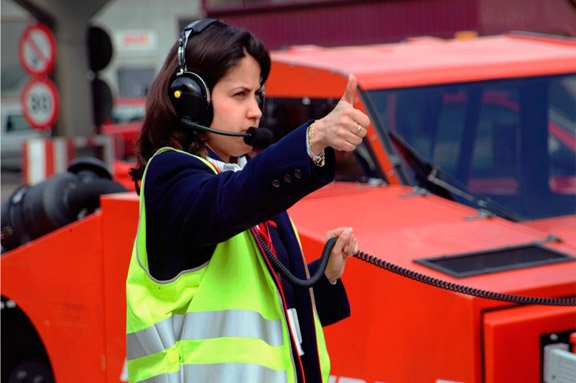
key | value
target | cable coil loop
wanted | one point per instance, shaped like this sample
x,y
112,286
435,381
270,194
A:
x,y
286,274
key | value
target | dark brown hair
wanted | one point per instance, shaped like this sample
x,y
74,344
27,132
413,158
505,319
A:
x,y
210,54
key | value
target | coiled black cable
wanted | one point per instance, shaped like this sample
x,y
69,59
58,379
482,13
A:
x,y
519,299
399,270
286,274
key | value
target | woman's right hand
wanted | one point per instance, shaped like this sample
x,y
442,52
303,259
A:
x,y
345,246
344,127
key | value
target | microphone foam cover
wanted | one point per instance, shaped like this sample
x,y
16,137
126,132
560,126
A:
x,y
259,137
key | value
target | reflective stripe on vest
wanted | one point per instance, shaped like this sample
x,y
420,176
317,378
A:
x,y
203,325
222,373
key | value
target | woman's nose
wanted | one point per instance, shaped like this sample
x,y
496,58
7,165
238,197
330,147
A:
x,y
254,111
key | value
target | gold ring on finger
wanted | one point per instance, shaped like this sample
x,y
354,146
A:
x,y
359,128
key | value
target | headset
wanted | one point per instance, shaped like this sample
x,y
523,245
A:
x,y
188,92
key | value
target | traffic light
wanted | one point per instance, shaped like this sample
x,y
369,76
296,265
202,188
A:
x,y
100,53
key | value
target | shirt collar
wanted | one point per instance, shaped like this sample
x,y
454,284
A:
x,y
224,166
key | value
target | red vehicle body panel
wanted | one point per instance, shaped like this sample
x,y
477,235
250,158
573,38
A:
x,y
427,61
74,290
509,339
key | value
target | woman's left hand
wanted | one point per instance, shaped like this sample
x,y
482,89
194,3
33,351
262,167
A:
x,y
344,247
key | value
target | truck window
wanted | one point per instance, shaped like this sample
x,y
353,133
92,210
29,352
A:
x,y
281,115
513,141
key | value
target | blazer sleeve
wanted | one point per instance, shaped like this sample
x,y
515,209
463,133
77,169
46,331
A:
x,y
200,208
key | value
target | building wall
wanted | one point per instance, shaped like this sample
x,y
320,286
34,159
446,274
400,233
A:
x,y
548,16
362,21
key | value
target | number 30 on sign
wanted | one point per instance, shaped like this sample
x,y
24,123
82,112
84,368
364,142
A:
x,y
40,103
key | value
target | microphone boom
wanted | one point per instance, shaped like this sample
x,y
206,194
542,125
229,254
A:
x,y
257,137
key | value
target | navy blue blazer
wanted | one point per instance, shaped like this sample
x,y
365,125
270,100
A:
x,y
189,209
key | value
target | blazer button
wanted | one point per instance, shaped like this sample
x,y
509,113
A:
x,y
287,178
276,183
297,173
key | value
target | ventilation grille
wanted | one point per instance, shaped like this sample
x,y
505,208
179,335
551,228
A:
x,y
487,262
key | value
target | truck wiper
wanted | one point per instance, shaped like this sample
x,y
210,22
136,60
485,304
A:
x,y
440,182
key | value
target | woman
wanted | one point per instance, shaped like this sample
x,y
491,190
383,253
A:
x,y
204,304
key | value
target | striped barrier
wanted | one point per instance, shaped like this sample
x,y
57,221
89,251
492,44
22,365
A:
x,y
44,157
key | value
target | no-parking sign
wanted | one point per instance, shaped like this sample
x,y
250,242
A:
x,y
39,101
37,50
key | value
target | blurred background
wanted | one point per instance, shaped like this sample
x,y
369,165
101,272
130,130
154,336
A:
x,y
107,52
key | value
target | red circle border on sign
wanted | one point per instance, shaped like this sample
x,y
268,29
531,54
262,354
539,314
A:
x,y
50,65
50,123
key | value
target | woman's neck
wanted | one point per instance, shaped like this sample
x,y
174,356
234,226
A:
x,y
221,156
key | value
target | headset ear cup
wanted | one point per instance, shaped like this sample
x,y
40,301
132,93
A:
x,y
190,98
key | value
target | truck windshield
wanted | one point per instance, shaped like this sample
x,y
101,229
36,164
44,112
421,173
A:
x,y
510,141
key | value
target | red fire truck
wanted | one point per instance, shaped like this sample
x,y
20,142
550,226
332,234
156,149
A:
x,y
464,196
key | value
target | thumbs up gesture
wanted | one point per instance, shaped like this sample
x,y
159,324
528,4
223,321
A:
x,y
344,127
350,91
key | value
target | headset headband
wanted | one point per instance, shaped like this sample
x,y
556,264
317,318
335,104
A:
x,y
193,28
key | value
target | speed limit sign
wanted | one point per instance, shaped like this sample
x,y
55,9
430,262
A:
x,y
39,102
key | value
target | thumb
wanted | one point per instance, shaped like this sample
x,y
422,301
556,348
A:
x,y
350,91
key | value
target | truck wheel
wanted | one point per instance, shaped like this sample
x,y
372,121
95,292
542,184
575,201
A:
x,y
32,371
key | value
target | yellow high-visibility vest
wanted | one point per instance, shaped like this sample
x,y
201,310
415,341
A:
x,y
223,321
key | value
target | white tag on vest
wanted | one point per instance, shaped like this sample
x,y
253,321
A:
x,y
295,327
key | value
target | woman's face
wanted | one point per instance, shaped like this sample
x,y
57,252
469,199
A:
x,y
234,100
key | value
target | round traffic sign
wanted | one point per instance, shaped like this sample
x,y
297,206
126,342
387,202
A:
x,y
39,102
37,50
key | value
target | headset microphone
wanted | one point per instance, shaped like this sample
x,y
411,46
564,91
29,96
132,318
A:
x,y
257,137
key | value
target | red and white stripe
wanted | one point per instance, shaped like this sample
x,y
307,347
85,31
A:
x,y
44,157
